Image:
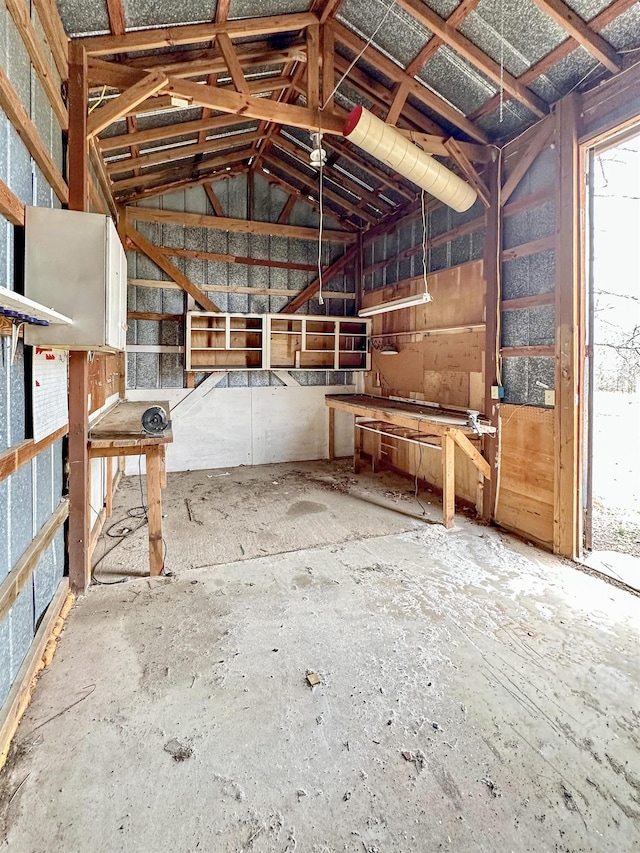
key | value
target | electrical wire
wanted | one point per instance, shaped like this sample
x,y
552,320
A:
x,y
320,230
426,250
359,56
99,101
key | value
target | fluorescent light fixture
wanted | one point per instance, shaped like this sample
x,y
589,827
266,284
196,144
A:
x,y
396,304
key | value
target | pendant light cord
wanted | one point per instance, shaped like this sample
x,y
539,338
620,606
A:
x,y
426,249
321,227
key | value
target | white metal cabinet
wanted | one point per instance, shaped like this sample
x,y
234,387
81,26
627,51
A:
x,y
76,265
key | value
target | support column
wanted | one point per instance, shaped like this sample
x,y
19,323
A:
x,y
492,269
79,471
567,533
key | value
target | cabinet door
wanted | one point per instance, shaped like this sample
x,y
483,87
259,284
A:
x,y
116,290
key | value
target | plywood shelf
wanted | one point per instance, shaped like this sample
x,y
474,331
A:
x,y
280,342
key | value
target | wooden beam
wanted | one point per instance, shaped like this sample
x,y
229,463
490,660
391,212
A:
x,y
301,195
124,103
539,142
266,110
458,155
31,40
156,134
13,458
472,452
568,402
535,301
328,9
165,177
214,201
26,130
528,352
250,291
397,105
578,29
14,582
181,184
160,260
426,96
79,471
313,67
433,144
10,205
219,223
352,208
209,61
382,97
231,60
360,194
469,51
152,39
558,53
541,245
103,178
435,42
283,219
448,481
55,35
180,152
236,259
309,292
115,12
328,68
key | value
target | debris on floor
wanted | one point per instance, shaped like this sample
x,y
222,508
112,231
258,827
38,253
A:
x,y
313,678
178,751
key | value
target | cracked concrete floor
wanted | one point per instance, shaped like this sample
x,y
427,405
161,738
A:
x,y
475,695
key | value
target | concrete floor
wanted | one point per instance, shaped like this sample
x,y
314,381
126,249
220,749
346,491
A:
x,y
475,694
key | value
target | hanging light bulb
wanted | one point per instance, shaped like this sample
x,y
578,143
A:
x,y
318,155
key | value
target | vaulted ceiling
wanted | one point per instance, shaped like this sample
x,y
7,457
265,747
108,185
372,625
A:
x,y
187,92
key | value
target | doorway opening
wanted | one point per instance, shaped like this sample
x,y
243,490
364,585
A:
x,y
612,511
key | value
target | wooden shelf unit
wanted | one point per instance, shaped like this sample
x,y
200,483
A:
x,y
216,341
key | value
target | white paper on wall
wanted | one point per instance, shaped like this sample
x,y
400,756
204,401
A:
x,y
50,402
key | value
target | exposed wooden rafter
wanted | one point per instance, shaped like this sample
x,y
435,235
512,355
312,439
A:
x,y
160,37
102,117
578,29
469,51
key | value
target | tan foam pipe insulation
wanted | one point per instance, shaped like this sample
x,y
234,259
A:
x,y
384,143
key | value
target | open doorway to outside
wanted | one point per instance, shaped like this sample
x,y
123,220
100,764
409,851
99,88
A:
x,y
613,362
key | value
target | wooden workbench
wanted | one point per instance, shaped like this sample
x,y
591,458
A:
x,y
119,433
418,424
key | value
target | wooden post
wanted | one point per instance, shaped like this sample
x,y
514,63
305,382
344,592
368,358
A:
x,y
154,509
357,447
567,535
332,433
79,471
376,454
492,245
448,480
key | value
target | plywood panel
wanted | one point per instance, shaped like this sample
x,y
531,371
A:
x,y
526,494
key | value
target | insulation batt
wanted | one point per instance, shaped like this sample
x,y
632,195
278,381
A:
x,y
384,143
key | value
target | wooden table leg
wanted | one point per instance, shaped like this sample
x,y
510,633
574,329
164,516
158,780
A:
x,y
448,481
357,447
163,466
332,433
376,454
154,510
